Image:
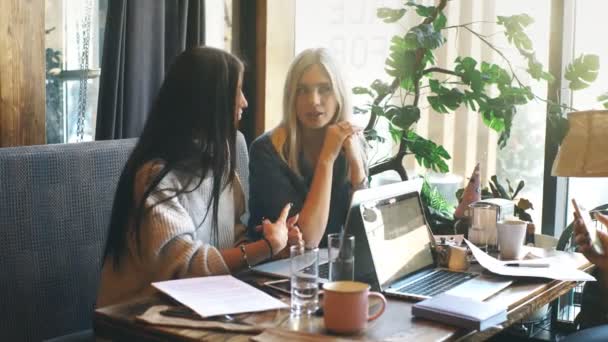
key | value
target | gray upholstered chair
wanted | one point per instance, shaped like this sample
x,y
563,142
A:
x,y
55,204
242,168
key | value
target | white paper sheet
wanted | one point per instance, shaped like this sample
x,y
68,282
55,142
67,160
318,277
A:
x,y
218,295
559,267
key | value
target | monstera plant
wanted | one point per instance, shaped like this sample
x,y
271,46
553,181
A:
x,y
492,90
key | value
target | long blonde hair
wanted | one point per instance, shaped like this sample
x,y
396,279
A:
x,y
291,146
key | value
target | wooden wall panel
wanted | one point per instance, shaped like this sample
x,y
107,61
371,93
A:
x,y
260,61
280,48
22,68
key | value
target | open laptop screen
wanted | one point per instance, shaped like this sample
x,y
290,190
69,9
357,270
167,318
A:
x,y
397,235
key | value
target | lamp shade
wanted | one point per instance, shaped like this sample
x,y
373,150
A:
x,y
584,152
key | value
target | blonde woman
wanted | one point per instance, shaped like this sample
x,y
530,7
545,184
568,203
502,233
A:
x,y
314,158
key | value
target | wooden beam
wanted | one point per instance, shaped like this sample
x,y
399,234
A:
x,y
22,72
280,49
260,61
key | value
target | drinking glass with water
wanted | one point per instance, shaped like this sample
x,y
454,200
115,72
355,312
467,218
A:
x,y
304,280
341,256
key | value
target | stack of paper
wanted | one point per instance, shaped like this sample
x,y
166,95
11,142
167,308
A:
x,y
559,266
218,295
461,312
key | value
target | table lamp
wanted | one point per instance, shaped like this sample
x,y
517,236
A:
x,y
583,151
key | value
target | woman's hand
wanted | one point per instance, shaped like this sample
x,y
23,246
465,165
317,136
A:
x,y
335,137
294,237
277,233
581,237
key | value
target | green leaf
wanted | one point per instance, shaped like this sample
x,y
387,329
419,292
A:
x,y
520,186
423,11
470,76
582,71
401,62
514,30
440,22
535,68
396,133
378,110
423,36
435,85
381,88
495,192
359,110
555,108
500,188
510,188
547,76
446,100
372,135
390,15
558,127
603,99
404,117
362,91
494,74
427,153
435,199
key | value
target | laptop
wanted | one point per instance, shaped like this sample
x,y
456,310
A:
x,y
394,253
281,268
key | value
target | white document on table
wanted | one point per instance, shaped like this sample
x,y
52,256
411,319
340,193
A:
x,y
559,268
218,295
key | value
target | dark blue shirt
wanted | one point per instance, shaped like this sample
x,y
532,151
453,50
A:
x,y
273,184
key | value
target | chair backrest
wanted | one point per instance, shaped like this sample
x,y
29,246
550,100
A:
x,y
55,205
242,168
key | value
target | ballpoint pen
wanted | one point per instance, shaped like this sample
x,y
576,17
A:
x,y
182,312
517,264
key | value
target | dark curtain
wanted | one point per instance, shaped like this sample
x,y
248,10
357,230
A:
x,y
142,37
245,18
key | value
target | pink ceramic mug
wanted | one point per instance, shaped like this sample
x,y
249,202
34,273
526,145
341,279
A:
x,y
346,306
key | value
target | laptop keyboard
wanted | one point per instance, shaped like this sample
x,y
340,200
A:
x,y
323,270
436,283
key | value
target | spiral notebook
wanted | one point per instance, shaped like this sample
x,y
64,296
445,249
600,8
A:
x,y
461,312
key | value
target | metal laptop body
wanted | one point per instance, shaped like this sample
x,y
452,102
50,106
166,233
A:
x,y
281,268
394,253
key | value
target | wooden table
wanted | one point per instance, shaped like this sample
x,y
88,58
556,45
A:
x,y
522,298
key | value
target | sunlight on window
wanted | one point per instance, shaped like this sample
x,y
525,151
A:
x,y
74,36
350,30
523,157
360,41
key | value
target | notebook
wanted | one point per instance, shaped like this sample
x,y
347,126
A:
x,y
394,253
462,312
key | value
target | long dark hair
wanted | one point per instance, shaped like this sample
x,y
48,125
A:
x,y
191,128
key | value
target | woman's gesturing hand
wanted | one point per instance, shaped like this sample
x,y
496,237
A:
x,y
581,236
294,237
277,233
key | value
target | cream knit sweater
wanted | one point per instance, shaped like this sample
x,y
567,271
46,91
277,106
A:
x,y
174,243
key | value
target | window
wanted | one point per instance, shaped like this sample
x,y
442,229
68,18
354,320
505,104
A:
x,y
74,37
74,44
360,42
